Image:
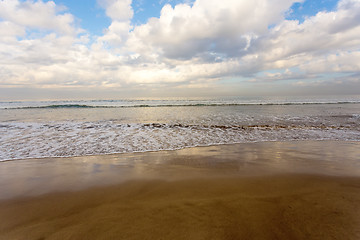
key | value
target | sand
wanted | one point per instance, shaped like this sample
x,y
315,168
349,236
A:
x,y
267,205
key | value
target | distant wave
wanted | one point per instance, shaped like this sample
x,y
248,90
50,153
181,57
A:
x,y
59,106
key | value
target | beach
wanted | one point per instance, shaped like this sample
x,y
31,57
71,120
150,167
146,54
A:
x,y
271,190
179,119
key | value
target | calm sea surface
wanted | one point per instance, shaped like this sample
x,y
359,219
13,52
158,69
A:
x,y
90,127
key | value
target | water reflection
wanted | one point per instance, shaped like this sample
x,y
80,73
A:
x,y
38,176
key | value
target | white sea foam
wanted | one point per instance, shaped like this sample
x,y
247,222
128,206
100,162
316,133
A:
x,y
37,140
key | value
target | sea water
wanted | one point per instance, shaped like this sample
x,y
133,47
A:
x,y
37,129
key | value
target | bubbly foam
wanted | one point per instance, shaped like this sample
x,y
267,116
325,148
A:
x,y
61,139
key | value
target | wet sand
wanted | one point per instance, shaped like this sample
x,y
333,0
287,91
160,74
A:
x,y
299,190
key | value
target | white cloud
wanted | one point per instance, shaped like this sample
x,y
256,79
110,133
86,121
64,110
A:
x,y
9,31
116,35
37,15
119,10
316,36
334,63
211,26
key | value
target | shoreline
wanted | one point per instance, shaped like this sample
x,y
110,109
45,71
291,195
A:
x,y
177,149
272,190
45,175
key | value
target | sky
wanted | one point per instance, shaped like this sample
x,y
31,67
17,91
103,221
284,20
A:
x,y
106,49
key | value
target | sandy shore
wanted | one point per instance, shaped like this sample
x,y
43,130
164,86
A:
x,y
277,207
224,196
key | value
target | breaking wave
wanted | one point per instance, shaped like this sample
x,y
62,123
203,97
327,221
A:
x,y
58,106
38,140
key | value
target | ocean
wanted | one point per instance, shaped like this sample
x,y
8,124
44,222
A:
x,y
39,129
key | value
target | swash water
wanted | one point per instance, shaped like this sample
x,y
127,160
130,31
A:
x,y
37,129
